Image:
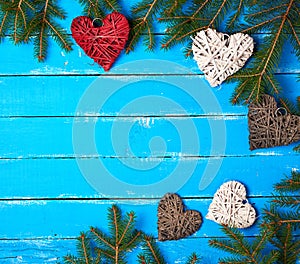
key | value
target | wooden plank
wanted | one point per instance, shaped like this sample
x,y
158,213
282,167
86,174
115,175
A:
x,y
62,178
53,250
107,96
17,60
150,95
142,137
22,219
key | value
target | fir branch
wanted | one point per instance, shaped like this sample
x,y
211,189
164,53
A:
x,y
143,15
101,238
288,106
289,184
276,18
172,6
36,20
4,17
224,244
69,259
111,5
98,8
287,201
193,259
43,24
92,8
84,252
151,252
199,15
124,237
232,20
15,18
271,258
297,148
84,244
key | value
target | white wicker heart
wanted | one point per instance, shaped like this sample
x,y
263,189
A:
x,y
219,55
230,207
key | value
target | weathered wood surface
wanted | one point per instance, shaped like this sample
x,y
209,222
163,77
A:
x,y
150,125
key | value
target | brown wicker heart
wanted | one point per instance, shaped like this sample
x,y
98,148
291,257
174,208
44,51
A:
x,y
269,126
173,221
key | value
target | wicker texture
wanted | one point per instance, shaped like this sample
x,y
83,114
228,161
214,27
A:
x,y
271,126
173,221
230,207
219,55
103,44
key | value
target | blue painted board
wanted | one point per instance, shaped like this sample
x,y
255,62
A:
x,y
114,95
62,178
19,60
142,137
66,218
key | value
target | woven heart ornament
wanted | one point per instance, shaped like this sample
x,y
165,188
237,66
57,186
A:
x,y
219,55
103,44
173,221
230,207
269,126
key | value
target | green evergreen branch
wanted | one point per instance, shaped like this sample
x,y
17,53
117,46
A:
x,y
101,238
200,15
17,23
42,24
115,215
242,246
111,5
224,245
85,247
289,184
143,15
92,8
124,236
260,242
4,19
193,259
297,148
267,58
130,221
108,255
171,8
15,16
287,201
232,20
271,258
267,11
151,253
217,13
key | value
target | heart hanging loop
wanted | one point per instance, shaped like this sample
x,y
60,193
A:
x,y
280,111
95,19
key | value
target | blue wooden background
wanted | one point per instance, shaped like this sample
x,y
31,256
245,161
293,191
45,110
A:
x,y
74,140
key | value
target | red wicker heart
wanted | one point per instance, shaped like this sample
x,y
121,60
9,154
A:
x,y
103,44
